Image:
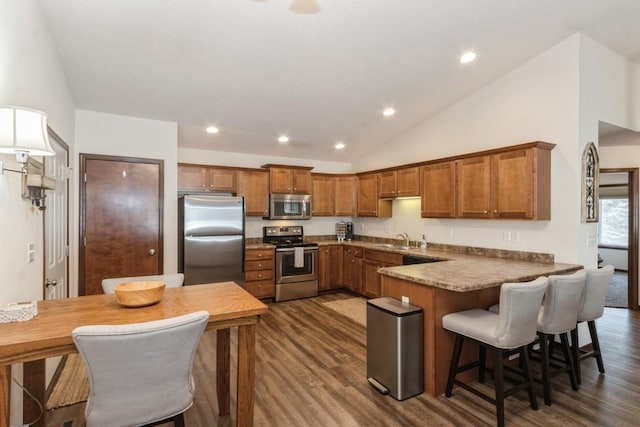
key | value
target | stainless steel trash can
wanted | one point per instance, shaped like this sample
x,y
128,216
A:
x,y
395,347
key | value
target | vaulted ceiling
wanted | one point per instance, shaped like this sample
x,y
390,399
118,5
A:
x,y
257,69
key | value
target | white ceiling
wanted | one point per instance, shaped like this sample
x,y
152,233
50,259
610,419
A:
x,y
255,69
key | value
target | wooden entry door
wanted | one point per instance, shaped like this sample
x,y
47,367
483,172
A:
x,y
120,219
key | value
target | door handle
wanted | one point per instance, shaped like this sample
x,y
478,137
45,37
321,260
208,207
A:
x,y
152,252
50,283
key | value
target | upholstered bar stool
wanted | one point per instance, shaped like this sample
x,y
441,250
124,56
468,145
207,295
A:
x,y
506,333
558,316
592,308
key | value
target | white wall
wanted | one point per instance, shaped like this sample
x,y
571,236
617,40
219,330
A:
x,y
30,76
537,101
108,134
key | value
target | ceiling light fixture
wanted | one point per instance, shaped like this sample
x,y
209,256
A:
x,y
467,57
283,139
388,112
339,146
304,7
212,129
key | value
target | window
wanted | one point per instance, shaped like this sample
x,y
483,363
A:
x,y
613,228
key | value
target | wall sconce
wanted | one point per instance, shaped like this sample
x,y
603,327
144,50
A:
x,y
24,132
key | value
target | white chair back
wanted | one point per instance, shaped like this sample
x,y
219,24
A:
x,y
171,280
562,300
519,305
139,373
595,293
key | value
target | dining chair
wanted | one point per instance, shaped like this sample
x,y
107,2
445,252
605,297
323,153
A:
x,y
171,280
591,309
140,374
506,333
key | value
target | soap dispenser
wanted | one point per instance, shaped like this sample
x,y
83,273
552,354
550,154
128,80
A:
x,y
423,242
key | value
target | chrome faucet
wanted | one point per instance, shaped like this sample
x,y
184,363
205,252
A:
x,y
405,236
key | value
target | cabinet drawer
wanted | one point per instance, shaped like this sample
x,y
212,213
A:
x,y
257,254
250,276
261,289
384,257
262,264
353,251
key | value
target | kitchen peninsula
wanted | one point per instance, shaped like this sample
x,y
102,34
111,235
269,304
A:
x,y
461,282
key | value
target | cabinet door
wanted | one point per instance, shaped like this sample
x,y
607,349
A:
x,y
335,265
356,275
371,286
408,182
192,178
281,180
438,190
254,186
301,180
368,195
223,179
345,204
323,268
512,184
324,195
387,184
473,187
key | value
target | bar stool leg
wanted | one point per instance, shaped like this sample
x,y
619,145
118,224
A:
x,y
524,363
564,340
544,362
596,344
499,386
455,359
575,349
482,357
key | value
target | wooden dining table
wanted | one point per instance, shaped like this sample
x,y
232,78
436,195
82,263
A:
x,y
48,334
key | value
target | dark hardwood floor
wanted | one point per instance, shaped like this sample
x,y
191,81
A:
x,y
311,371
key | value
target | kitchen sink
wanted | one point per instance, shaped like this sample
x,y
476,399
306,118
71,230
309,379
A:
x,y
390,246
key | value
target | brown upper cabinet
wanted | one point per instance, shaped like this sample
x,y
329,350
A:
x,y
289,179
511,184
368,202
404,182
346,196
438,190
324,194
207,178
253,185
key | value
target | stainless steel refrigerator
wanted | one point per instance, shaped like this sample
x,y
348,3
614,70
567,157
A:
x,y
211,238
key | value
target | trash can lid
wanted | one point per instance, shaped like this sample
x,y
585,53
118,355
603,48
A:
x,y
394,306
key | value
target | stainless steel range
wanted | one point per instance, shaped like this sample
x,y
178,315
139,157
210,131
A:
x,y
296,262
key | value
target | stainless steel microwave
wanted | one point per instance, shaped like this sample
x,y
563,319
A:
x,y
289,206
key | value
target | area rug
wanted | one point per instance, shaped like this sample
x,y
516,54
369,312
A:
x,y
72,385
353,308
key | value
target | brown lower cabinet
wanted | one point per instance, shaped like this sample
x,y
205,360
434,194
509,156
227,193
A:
x,y
352,269
373,260
330,267
259,272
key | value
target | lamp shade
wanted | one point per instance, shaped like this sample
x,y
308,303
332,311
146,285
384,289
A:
x,y
24,131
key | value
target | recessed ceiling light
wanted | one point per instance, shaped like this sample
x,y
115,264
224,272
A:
x,y
388,112
283,139
212,129
467,57
339,146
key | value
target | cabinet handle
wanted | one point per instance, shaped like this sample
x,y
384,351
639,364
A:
x,y
259,265
260,286
486,212
495,211
259,255
260,276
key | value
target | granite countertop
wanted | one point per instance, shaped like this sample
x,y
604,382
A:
x,y
464,270
464,273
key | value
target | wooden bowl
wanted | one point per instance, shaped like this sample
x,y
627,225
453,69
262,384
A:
x,y
139,294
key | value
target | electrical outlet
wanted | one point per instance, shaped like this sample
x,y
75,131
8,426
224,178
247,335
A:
x,y
405,300
31,252
506,236
515,236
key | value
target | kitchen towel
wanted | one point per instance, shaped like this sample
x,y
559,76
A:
x,y
298,257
